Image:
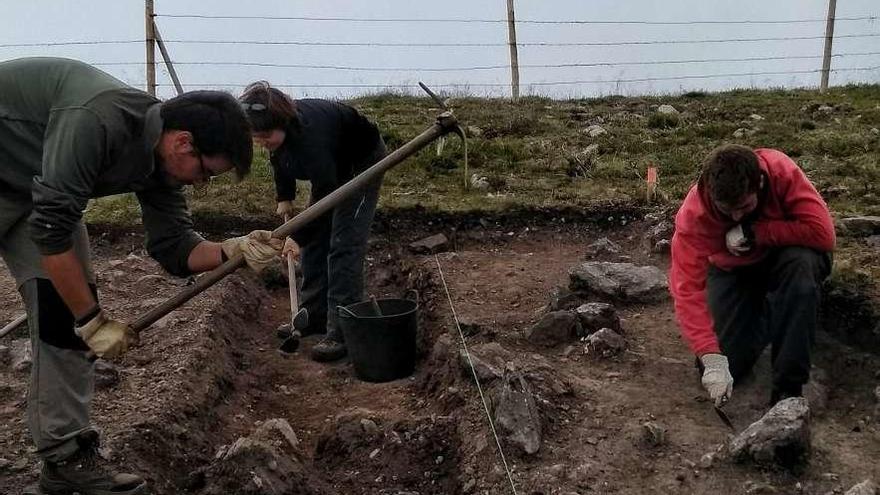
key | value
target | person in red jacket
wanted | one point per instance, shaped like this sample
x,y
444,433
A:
x,y
752,245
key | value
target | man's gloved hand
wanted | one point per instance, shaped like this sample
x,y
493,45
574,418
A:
x,y
284,209
107,338
717,379
290,246
737,241
259,248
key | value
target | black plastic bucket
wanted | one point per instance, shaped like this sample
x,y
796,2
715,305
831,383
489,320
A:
x,y
382,348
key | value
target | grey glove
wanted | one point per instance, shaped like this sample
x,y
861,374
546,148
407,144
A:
x,y
717,379
737,241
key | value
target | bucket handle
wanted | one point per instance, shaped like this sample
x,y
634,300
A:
x,y
340,309
413,295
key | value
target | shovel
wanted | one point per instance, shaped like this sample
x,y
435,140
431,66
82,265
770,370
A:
x,y
299,317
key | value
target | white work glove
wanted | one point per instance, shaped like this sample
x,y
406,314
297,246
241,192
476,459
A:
x,y
259,248
717,379
737,242
290,246
107,338
284,209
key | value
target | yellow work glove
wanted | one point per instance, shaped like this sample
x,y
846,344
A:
x,y
259,248
107,338
284,209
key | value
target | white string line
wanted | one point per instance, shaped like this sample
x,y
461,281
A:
x,y
492,67
476,380
504,21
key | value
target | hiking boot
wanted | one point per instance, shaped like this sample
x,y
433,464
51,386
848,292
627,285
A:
x,y
328,350
82,473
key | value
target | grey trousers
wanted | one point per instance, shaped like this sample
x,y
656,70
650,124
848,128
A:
x,y
333,260
773,302
62,377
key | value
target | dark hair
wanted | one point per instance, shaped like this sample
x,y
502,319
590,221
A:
x,y
217,123
275,110
731,172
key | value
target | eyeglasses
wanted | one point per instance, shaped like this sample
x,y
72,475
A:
x,y
256,107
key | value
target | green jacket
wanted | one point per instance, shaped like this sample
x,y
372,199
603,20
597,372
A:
x,y
68,133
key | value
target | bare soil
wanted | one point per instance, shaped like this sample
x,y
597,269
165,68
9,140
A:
x,y
209,373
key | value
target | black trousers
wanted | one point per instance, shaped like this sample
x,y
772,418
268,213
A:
x,y
773,302
333,260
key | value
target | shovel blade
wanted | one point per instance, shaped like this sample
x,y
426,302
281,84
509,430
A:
x,y
300,320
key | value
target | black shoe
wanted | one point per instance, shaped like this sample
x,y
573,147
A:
x,y
82,473
328,350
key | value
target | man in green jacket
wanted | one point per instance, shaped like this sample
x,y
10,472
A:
x,y
68,133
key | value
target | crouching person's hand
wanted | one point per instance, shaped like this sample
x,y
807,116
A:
x,y
717,379
107,338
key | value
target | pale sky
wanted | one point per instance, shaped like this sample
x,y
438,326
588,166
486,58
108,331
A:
x,y
45,21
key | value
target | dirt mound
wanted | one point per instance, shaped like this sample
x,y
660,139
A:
x,y
365,449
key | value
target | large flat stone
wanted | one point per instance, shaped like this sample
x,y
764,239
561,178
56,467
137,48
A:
x,y
622,281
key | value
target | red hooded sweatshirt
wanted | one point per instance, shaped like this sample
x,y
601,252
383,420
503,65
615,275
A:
x,y
791,213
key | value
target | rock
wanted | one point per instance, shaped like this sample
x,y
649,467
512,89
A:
x,y
602,246
667,109
106,375
554,328
592,149
469,327
759,488
653,435
624,281
595,316
742,132
20,356
875,131
149,280
479,182
433,244
781,437
662,246
516,414
873,241
661,231
867,487
755,116
825,109
485,371
562,298
594,131
606,342
266,462
369,426
707,460
862,226
474,131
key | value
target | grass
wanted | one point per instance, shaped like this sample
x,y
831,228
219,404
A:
x,y
536,153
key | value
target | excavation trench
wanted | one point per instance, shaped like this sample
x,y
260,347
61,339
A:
x,y
209,375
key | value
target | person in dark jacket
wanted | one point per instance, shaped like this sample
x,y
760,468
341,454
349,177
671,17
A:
x,y
68,133
325,143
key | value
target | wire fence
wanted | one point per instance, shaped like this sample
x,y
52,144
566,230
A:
x,y
552,63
